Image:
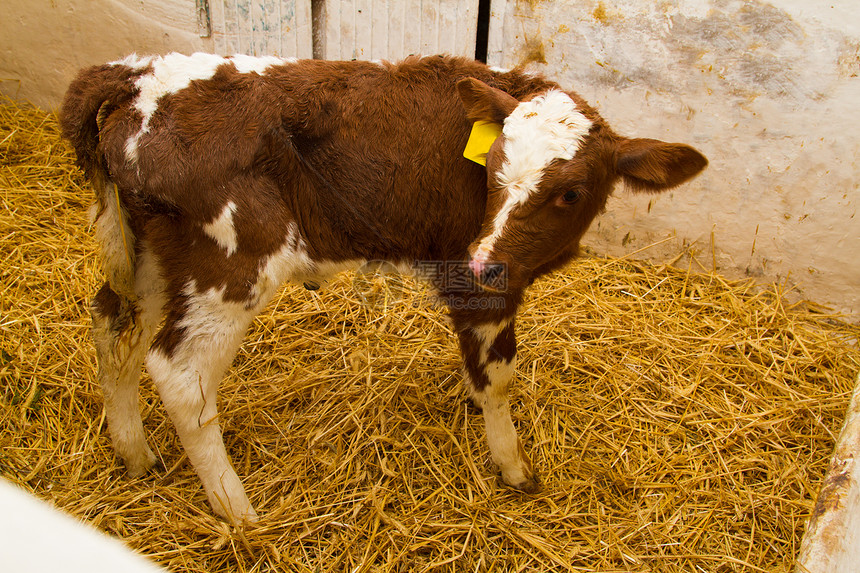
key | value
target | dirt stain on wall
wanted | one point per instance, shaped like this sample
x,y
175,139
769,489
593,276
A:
x,y
532,51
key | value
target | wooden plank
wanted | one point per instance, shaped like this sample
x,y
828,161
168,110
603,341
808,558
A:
x,y
302,24
224,26
411,28
262,27
448,26
380,31
467,29
363,40
394,29
204,22
499,10
429,30
832,540
345,41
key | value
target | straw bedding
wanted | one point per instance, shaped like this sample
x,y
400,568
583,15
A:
x,y
680,421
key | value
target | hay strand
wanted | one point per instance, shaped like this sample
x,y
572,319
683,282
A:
x,y
680,421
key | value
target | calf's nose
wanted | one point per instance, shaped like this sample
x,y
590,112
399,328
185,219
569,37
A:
x,y
477,267
489,275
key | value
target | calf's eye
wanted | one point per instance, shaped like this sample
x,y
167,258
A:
x,y
570,197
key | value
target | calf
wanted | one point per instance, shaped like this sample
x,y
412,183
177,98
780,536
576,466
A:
x,y
217,179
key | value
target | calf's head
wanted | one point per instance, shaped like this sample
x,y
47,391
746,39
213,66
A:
x,y
549,174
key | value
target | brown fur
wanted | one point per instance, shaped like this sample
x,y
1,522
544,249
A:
x,y
365,160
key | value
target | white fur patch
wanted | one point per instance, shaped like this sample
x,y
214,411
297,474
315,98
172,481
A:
x,y
187,383
222,230
247,64
537,132
174,72
487,334
290,261
149,288
169,74
500,373
501,434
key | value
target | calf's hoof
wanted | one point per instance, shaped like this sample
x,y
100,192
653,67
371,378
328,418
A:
x,y
232,504
140,463
236,515
526,484
520,474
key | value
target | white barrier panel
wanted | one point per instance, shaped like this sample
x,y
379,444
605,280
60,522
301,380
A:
x,y
832,540
37,538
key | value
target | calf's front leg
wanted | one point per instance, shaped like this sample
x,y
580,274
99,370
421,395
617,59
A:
x,y
489,360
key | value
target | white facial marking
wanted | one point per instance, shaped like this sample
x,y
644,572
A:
x,y
537,132
222,231
174,72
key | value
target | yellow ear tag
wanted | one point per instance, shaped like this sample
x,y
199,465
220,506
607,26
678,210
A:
x,y
484,133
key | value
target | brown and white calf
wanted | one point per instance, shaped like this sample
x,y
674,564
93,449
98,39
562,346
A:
x,y
218,179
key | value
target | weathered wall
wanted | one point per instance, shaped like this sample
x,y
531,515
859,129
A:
x,y
767,90
43,43
393,29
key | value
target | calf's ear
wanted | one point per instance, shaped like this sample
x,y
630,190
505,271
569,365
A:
x,y
651,165
485,103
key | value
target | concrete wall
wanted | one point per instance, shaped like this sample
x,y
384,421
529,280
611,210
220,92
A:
x,y
43,43
769,91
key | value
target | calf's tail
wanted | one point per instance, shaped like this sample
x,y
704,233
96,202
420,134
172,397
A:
x,y
91,96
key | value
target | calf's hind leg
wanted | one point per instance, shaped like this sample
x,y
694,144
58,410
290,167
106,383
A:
x,y
122,331
192,351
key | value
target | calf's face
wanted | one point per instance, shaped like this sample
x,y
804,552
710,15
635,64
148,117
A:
x,y
549,174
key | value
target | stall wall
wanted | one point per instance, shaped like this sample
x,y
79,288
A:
x,y
393,29
44,43
769,91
